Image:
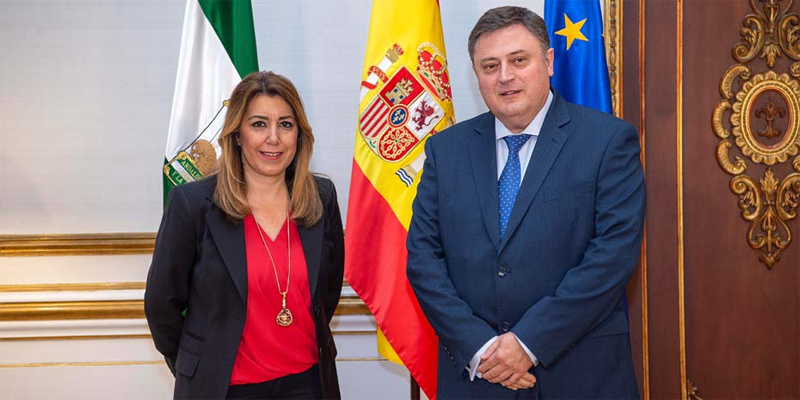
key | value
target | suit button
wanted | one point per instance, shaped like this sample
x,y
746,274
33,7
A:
x,y
316,310
505,326
501,271
319,349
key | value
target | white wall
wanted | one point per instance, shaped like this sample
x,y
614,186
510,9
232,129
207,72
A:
x,y
85,94
86,89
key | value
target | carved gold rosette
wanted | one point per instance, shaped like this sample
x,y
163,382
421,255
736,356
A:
x,y
758,118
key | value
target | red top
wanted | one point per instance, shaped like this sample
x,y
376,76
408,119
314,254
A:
x,y
267,350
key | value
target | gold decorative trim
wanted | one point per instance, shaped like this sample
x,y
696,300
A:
x,y
643,143
679,134
117,309
752,89
128,363
80,364
69,310
141,336
72,287
733,168
81,337
613,28
769,33
83,287
76,244
354,333
768,207
352,305
645,323
352,359
692,391
770,202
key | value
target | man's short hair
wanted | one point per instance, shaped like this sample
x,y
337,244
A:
x,y
501,17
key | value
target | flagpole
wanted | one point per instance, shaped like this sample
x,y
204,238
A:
x,y
414,388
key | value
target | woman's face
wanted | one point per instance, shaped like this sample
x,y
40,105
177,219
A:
x,y
268,137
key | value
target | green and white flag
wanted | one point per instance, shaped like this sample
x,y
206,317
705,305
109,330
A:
x,y
218,49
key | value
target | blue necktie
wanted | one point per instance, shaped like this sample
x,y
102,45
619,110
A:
x,y
510,178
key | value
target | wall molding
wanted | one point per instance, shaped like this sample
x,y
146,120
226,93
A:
x,y
143,336
68,310
72,287
92,329
160,362
350,304
612,26
81,364
77,244
75,337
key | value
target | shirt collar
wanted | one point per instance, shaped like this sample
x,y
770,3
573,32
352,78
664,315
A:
x,y
500,130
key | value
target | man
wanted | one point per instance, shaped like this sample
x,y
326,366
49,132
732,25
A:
x,y
527,226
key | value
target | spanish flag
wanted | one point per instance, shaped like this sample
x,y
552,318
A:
x,y
405,98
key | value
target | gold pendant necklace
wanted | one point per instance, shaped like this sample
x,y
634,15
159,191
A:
x,y
284,317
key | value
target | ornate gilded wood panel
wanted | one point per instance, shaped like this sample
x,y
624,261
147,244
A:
x,y
757,123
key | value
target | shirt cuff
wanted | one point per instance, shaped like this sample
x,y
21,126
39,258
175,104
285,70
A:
x,y
527,351
472,367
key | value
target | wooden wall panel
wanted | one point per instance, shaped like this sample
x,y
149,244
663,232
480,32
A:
x,y
715,315
662,207
630,110
742,319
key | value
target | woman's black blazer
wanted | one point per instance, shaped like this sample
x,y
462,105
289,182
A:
x,y
200,266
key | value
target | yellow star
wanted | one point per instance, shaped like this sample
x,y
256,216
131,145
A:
x,y
572,31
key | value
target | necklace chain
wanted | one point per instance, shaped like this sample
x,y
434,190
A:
x,y
272,260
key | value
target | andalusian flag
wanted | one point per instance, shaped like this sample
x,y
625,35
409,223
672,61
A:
x,y
576,36
405,98
218,49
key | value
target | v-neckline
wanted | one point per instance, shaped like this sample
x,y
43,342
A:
x,y
264,231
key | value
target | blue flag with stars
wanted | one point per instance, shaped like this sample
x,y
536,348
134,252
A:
x,y
576,34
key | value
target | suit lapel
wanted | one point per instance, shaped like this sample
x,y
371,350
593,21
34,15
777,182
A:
x,y
229,238
548,145
311,238
483,159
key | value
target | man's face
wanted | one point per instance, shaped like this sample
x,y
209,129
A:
x,y
513,74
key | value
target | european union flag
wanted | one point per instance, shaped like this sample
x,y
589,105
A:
x,y
576,35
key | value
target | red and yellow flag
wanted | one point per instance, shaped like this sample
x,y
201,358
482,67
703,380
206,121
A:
x,y
405,98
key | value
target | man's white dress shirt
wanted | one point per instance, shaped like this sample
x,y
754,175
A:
x,y
525,152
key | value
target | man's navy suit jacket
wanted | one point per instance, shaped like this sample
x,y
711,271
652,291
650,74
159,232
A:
x,y
557,277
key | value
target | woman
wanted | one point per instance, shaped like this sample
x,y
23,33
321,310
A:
x,y
247,269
